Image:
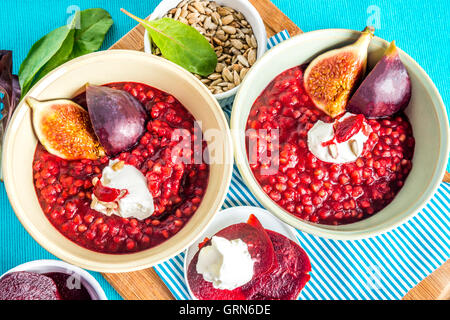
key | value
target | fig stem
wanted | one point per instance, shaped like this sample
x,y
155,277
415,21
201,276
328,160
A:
x,y
391,50
366,36
369,29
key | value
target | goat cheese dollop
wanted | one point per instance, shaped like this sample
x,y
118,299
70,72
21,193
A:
x,y
227,264
323,142
122,190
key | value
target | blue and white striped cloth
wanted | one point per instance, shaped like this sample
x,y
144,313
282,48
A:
x,y
384,267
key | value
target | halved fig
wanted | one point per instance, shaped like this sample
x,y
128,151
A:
x,y
386,89
117,117
332,76
64,129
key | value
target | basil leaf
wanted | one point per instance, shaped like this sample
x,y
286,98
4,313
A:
x,y
181,44
60,57
95,23
40,53
64,44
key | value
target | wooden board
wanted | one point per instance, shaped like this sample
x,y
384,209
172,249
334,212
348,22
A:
x,y
146,284
434,287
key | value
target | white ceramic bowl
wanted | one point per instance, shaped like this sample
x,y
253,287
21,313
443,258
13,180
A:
x,y
45,266
231,216
243,6
99,68
426,112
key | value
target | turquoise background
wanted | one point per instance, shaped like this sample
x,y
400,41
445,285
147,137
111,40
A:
x,y
421,28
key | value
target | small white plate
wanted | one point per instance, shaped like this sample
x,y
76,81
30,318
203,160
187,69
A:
x,y
232,216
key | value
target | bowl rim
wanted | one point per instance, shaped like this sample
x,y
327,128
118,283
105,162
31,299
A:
x,y
316,229
42,263
261,37
130,264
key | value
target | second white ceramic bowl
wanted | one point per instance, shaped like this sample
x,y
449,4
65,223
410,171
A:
x,y
426,112
243,6
46,266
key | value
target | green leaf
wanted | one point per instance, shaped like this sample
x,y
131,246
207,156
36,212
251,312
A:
x,y
181,44
60,57
40,53
64,44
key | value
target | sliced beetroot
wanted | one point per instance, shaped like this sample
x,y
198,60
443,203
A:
x,y
28,286
117,117
288,279
260,248
348,127
259,245
386,89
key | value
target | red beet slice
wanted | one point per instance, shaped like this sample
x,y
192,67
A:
x,y
348,127
259,244
287,280
260,248
28,286
117,117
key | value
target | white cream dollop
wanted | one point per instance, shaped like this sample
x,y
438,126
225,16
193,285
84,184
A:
x,y
137,201
227,264
344,151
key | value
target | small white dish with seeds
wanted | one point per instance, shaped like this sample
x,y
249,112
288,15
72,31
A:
x,y
235,30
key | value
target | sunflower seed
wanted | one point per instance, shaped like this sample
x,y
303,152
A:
x,y
220,67
237,44
354,147
214,76
243,73
177,14
229,29
333,151
227,19
227,75
243,61
251,56
199,7
236,78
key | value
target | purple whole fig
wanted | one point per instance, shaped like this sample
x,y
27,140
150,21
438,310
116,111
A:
x,y
386,89
117,117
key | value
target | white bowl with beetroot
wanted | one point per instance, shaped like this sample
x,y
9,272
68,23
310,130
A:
x,y
328,171
118,177
49,280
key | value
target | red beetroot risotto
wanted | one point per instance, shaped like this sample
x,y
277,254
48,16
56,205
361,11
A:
x,y
64,188
318,191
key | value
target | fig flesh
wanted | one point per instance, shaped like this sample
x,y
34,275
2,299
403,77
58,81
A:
x,y
386,89
332,76
64,129
117,117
